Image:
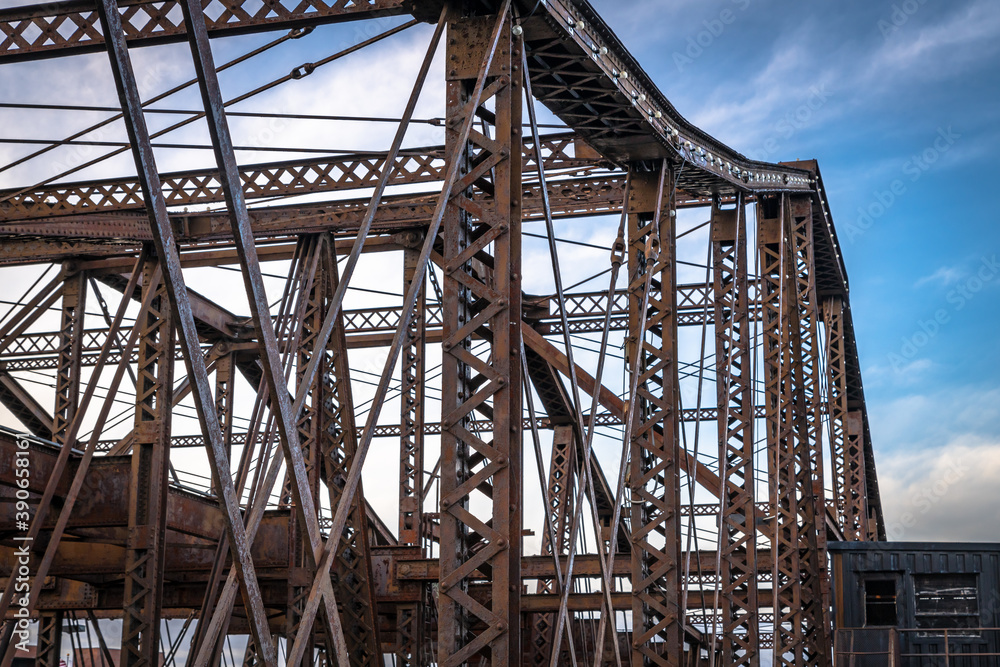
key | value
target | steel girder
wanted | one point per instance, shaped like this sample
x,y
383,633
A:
x,y
793,420
412,643
338,173
74,299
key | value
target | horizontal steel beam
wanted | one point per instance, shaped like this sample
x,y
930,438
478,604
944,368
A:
x,y
337,173
65,28
369,327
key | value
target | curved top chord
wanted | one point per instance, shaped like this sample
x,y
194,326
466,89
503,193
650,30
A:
x,y
585,75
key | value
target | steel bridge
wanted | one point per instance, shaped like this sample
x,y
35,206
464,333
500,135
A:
x,y
733,440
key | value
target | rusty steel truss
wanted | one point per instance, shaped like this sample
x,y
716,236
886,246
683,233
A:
x,y
732,435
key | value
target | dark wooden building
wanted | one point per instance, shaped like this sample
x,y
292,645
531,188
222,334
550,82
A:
x,y
916,604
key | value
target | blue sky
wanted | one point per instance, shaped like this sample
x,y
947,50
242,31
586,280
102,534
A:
x,y
898,101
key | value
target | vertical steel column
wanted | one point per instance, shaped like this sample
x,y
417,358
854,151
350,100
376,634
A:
x,y
862,525
49,639
224,396
410,617
738,550
147,512
777,297
836,372
560,511
411,445
311,296
654,481
846,430
352,569
74,301
808,441
481,480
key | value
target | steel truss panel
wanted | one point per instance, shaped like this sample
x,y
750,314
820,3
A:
x,y
63,28
147,521
353,171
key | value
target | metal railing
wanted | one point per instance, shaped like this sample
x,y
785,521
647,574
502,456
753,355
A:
x,y
910,647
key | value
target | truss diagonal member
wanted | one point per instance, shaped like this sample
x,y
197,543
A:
x,y
25,408
389,168
612,403
555,494
333,315
181,307
583,436
334,410
617,259
18,322
209,634
218,127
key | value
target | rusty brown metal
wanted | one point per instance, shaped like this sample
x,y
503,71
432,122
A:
x,y
74,299
734,386
815,601
411,619
448,580
654,480
774,248
33,32
180,306
483,55
146,544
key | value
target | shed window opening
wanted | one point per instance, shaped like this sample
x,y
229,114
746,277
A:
x,y
946,601
880,602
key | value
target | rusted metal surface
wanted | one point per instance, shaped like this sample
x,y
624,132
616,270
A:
x,y
655,438
449,577
815,602
478,295
41,31
181,308
738,531
147,517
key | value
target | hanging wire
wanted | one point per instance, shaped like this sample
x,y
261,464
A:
x,y
297,73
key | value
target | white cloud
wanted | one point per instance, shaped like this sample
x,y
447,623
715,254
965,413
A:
x,y
945,275
752,112
966,35
938,460
946,493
